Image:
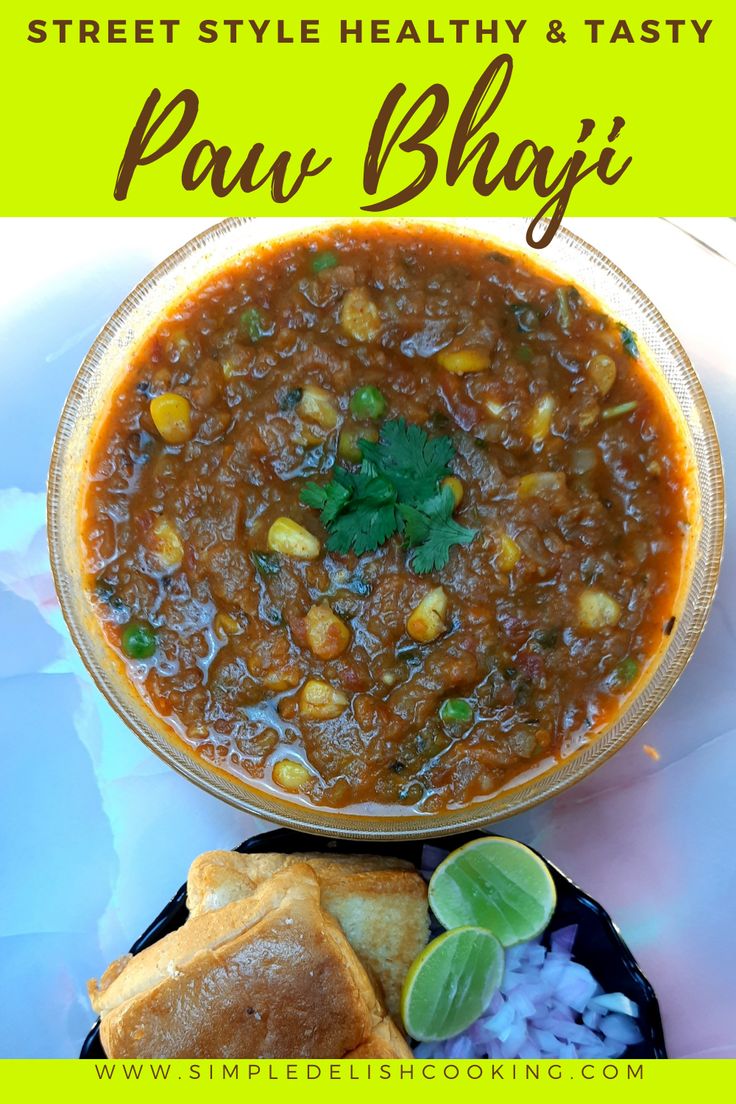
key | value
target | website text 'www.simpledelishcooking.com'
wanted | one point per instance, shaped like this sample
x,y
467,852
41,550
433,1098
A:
x,y
379,1071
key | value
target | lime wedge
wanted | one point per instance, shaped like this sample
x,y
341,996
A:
x,y
450,983
496,884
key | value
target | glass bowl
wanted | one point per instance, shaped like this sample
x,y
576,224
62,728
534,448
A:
x,y
569,257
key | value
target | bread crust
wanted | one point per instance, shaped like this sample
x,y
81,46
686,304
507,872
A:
x,y
268,976
218,877
386,1041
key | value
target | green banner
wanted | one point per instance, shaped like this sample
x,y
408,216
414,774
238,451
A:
x,y
325,108
327,1082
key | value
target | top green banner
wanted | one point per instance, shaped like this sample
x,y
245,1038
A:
x,y
213,109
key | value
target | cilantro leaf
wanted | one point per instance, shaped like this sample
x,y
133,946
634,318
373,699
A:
x,y
410,459
431,531
434,552
337,499
440,506
313,495
329,500
628,340
416,525
395,490
344,477
364,529
371,489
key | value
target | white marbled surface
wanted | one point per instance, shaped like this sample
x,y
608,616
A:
x,y
96,832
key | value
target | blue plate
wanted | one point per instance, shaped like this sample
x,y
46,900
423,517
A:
x,y
598,944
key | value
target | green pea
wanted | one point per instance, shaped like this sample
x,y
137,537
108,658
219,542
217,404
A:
x,y
456,711
138,640
626,671
252,322
323,261
348,444
367,402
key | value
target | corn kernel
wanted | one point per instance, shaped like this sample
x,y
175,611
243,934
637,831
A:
x,y
495,409
456,487
589,416
291,775
327,634
359,315
283,678
597,610
225,625
602,371
461,361
165,544
308,437
291,539
318,701
508,554
171,415
540,483
317,405
427,621
539,422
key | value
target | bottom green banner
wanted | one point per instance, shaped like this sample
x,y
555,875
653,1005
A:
x,y
328,1081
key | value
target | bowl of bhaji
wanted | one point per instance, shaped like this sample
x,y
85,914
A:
x,y
385,529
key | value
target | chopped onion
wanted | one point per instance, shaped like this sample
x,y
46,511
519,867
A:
x,y
615,1002
563,939
583,460
620,1028
577,986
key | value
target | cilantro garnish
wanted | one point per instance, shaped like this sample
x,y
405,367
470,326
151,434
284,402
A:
x,y
409,459
431,531
628,340
396,490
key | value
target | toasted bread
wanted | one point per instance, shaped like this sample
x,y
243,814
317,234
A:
x,y
380,903
268,976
